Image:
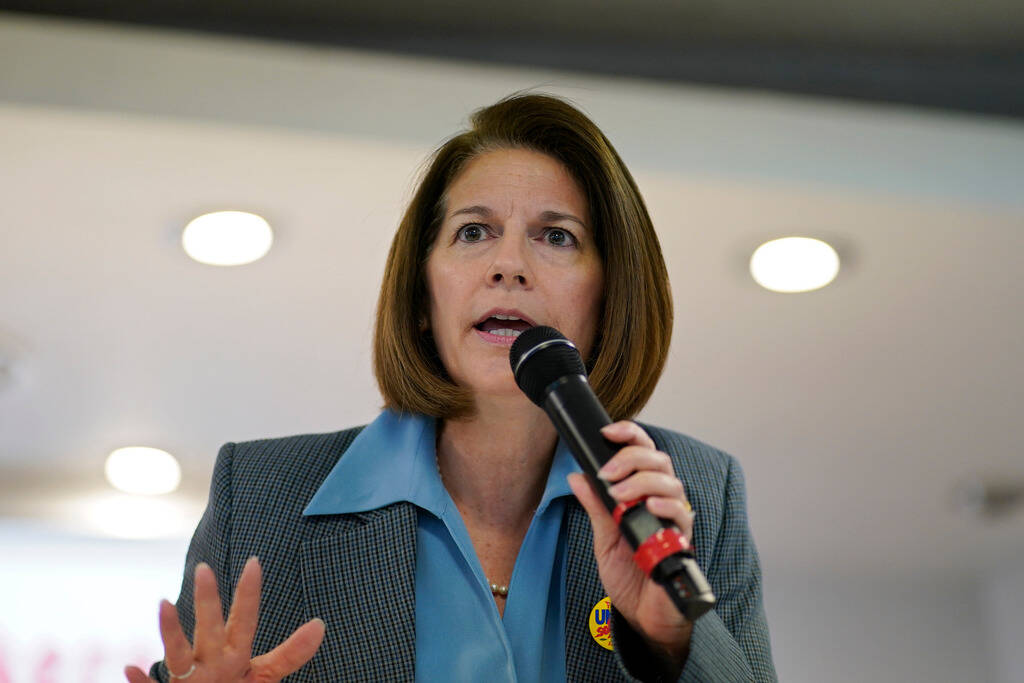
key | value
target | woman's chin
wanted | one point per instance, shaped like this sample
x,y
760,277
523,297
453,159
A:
x,y
499,391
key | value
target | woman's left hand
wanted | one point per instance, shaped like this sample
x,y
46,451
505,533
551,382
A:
x,y
638,470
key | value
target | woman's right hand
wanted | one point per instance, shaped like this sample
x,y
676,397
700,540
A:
x,y
223,652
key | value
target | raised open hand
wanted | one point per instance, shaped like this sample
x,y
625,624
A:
x,y
222,653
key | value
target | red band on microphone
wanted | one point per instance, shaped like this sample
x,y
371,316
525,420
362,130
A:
x,y
621,508
657,547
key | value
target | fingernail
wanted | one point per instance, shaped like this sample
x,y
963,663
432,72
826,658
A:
x,y
607,472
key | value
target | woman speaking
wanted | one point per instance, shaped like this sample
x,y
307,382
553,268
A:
x,y
454,537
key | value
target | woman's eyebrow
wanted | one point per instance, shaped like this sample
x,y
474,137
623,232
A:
x,y
476,209
560,216
550,215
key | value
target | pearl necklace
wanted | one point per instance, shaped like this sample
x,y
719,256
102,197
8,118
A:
x,y
497,589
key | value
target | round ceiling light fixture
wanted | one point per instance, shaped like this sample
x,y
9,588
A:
x,y
142,470
227,238
794,264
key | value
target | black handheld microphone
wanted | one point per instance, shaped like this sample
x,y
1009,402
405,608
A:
x,y
549,370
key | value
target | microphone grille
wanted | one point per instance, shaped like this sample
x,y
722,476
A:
x,y
541,355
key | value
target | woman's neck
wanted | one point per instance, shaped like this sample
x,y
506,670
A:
x,y
495,464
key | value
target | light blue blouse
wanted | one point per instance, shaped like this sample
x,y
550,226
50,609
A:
x,y
459,633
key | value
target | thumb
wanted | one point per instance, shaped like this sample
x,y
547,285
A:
x,y
605,529
292,654
135,675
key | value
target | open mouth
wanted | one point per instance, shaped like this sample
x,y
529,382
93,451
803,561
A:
x,y
503,325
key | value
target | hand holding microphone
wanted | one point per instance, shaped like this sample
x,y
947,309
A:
x,y
631,543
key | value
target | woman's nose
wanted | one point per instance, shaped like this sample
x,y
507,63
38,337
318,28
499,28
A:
x,y
509,266
498,276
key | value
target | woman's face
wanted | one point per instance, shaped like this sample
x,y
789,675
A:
x,y
515,242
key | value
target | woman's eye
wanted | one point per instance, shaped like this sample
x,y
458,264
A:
x,y
471,233
559,237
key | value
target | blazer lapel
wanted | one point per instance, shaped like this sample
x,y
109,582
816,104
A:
x,y
585,659
359,576
361,580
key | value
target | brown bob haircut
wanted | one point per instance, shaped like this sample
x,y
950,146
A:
x,y
636,323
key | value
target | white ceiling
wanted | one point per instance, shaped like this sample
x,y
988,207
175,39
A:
x,y
855,410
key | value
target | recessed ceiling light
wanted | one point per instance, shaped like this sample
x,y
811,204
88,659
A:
x,y
140,469
227,238
794,264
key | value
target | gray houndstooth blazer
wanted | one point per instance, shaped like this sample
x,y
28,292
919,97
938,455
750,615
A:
x,y
357,571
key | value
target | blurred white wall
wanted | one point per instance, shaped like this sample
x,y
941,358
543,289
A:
x,y
1003,606
849,630
74,608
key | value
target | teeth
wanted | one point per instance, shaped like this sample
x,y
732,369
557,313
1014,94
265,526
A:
x,y
506,332
498,316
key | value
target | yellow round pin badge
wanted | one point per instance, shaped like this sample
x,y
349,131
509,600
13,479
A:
x,y
600,623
